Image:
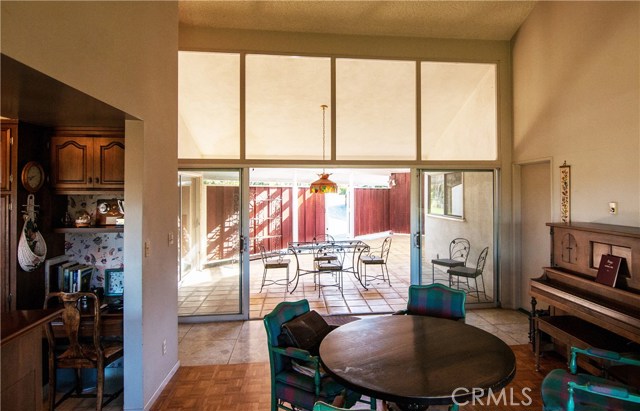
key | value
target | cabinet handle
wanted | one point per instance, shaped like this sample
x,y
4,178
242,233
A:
x,y
97,180
90,180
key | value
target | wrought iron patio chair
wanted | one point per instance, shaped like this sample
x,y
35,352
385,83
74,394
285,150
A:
x,y
458,254
332,266
377,259
471,272
273,263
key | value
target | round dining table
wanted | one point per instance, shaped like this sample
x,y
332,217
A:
x,y
417,361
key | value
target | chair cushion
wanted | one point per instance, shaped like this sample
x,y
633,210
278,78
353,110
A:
x,y
555,393
328,266
305,331
283,263
447,262
468,272
372,260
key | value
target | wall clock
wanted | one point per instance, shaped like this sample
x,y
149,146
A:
x,y
32,176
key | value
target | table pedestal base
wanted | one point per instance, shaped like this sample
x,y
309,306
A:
x,y
392,406
409,407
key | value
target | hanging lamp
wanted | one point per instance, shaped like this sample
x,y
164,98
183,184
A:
x,y
323,184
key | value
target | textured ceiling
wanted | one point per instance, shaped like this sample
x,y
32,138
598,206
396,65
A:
x,y
483,20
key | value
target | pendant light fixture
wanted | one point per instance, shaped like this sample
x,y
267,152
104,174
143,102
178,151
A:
x,y
323,184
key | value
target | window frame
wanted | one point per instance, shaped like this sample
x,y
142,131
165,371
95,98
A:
x,y
447,197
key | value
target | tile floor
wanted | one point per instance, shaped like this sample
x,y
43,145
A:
x,y
245,341
216,290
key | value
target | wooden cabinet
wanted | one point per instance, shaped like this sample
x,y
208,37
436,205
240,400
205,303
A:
x,y
87,162
8,193
6,163
21,359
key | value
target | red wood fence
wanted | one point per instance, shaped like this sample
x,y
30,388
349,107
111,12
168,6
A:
x,y
271,215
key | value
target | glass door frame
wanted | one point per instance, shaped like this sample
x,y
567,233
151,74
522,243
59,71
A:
x,y
243,252
416,224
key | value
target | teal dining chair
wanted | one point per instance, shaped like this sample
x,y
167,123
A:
x,y
436,300
564,390
297,379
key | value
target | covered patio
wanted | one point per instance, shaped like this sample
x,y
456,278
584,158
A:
x,y
214,291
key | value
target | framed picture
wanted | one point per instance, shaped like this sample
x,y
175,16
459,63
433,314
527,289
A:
x,y
114,282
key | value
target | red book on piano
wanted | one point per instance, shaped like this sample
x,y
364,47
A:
x,y
609,269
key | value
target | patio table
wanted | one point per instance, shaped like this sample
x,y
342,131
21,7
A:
x,y
353,247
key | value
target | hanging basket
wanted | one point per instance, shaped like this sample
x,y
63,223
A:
x,y
32,250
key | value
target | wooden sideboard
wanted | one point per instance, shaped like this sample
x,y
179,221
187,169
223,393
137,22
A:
x,y
21,347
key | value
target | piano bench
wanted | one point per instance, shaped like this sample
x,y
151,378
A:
x,y
573,331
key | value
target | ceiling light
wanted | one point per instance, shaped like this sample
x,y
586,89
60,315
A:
x,y
323,184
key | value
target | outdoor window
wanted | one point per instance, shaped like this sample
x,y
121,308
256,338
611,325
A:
x,y
384,110
446,195
208,105
376,109
459,111
284,95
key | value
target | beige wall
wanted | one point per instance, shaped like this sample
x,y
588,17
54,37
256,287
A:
x,y
124,53
577,98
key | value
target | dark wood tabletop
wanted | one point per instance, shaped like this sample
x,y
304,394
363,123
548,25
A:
x,y
417,361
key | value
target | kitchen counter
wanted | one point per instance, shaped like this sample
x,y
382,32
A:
x,y
16,323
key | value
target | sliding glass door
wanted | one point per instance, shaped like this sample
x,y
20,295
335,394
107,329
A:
x,y
457,222
211,245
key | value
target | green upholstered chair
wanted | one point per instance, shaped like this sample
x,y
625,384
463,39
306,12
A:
x,y
436,300
291,389
564,390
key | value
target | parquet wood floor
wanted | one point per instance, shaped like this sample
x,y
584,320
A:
x,y
246,387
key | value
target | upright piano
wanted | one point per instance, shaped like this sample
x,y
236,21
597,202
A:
x,y
571,307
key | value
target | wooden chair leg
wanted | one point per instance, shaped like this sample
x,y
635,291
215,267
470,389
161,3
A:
x,y
52,383
99,386
78,380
